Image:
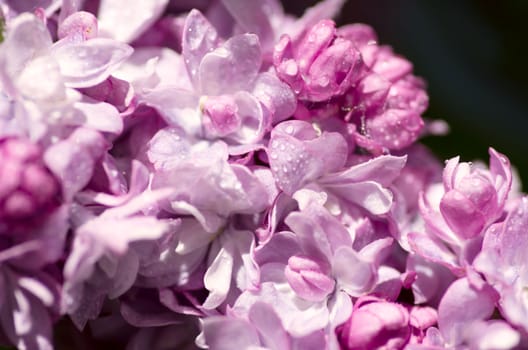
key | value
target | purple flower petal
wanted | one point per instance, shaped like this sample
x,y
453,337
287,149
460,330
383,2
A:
x,y
89,63
477,305
226,334
125,20
199,38
354,275
231,67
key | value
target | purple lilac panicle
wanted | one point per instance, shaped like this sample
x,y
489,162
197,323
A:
x,y
230,176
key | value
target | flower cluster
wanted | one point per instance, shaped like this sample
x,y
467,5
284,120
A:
x,y
219,174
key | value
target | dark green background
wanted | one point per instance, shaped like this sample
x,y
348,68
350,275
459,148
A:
x,y
473,55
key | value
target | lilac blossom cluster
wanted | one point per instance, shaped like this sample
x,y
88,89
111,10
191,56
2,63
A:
x,y
232,177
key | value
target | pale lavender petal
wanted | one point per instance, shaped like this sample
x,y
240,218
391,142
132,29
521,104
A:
x,y
117,234
275,95
264,318
477,305
26,39
177,106
193,236
50,89
99,116
139,179
252,18
125,20
72,160
231,67
435,251
501,173
254,121
125,275
431,281
223,333
313,341
199,38
320,233
389,283
217,279
369,195
492,335
89,63
353,274
377,250
298,155
383,169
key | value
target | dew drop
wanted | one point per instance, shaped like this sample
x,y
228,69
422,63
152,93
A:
x,y
289,129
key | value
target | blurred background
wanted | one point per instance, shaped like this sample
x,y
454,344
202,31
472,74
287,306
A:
x,y
473,55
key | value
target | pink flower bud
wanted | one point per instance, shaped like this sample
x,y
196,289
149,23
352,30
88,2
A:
x,y
308,278
220,115
28,190
474,196
321,65
375,324
78,27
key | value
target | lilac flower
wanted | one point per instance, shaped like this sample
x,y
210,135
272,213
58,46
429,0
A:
x,y
261,328
226,96
375,324
204,183
326,250
474,198
241,174
457,214
38,76
298,158
268,19
345,73
319,66
502,262
102,262
468,327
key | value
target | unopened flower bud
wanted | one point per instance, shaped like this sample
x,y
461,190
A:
x,y
308,278
28,190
